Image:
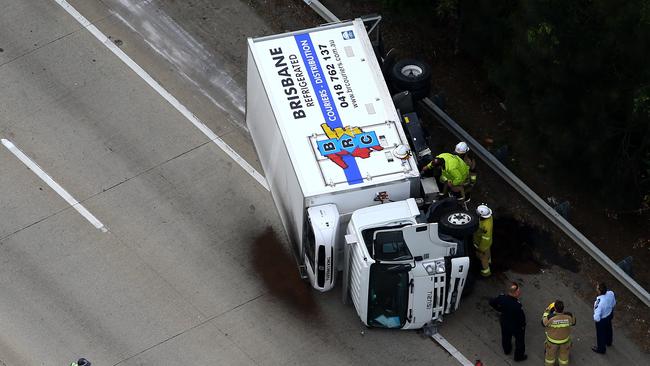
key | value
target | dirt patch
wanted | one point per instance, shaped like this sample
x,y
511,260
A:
x,y
524,248
279,272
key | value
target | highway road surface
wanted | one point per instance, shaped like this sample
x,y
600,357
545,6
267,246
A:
x,y
133,230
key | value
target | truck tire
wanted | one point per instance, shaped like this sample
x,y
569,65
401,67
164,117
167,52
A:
x,y
440,207
458,223
412,75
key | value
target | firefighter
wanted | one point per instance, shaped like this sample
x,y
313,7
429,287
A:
x,y
558,325
483,239
454,172
462,150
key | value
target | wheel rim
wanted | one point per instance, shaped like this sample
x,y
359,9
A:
x,y
411,71
459,218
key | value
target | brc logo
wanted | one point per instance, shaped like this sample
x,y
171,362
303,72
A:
x,y
347,141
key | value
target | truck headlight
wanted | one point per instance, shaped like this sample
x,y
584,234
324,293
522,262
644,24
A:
x,y
436,267
440,266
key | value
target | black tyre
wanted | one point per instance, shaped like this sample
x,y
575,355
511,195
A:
x,y
440,207
458,223
412,75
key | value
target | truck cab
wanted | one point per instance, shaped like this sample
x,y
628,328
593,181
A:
x,y
397,267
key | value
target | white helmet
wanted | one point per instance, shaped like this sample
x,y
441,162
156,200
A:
x,y
483,211
402,152
461,147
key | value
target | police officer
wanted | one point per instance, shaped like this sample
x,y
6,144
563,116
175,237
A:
x,y
81,362
513,321
483,238
558,333
603,315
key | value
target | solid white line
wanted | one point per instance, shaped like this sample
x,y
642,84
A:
x,y
54,185
163,92
451,349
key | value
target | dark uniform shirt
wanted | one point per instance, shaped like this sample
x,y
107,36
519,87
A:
x,y
512,314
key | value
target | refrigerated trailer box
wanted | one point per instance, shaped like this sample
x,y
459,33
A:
x,y
324,127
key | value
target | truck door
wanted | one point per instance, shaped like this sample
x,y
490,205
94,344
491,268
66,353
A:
x,y
423,241
320,245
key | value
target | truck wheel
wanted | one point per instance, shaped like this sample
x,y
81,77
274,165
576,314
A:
x,y
412,75
458,223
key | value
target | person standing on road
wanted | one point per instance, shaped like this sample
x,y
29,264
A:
x,y
558,333
513,321
603,315
483,238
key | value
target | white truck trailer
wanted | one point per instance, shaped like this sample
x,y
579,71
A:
x,y
332,144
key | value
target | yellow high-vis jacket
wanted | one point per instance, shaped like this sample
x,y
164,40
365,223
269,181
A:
x,y
483,235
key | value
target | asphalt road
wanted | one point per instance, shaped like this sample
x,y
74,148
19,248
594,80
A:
x,y
185,272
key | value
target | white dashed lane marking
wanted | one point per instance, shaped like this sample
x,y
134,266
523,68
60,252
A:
x,y
54,185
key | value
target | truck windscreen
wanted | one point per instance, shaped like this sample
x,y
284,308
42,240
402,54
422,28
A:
x,y
386,244
388,295
390,246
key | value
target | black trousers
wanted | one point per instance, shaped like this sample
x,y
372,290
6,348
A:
x,y
507,332
604,333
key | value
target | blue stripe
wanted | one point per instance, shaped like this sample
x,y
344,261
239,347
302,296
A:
x,y
325,100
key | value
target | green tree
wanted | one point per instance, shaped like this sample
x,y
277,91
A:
x,y
575,75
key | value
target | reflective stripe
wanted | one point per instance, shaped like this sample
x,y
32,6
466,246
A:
x,y
552,362
561,325
563,362
557,341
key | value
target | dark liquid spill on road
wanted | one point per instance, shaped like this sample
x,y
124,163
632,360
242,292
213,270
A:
x,y
280,274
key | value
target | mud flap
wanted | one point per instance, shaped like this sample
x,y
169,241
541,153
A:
x,y
458,276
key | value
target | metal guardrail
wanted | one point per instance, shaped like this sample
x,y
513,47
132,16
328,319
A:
x,y
538,202
520,186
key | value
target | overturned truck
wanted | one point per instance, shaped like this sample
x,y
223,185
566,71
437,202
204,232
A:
x,y
344,177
